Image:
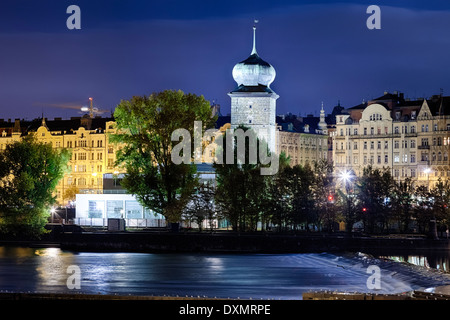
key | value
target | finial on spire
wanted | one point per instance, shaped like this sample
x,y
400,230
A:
x,y
254,36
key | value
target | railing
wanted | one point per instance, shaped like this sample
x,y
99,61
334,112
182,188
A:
x,y
129,222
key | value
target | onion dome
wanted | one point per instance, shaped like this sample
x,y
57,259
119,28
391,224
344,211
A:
x,y
253,74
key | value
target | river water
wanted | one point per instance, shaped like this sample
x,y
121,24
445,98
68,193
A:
x,y
256,276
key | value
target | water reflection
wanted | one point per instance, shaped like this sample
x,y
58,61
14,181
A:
x,y
441,262
276,276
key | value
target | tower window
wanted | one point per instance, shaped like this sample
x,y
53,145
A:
x,y
250,106
249,121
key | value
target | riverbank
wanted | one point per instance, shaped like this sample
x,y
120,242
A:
x,y
243,243
230,242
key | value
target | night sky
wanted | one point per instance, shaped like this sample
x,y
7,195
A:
x,y
321,51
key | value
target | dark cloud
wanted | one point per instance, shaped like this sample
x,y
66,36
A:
x,y
321,52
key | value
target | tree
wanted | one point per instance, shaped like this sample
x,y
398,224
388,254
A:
x,y
375,186
322,186
201,205
241,188
144,131
71,193
29,173
441,198
402,203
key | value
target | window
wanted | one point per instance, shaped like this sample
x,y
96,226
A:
x,y
99,156
435,127
379,145
82,181
439,158
426,128
355,132
379,159
396,158
132,209
82,156
386,144
424,156
95,209
372,145
365,131
396,130
413,144
386,158
413,173
114,208
405,158
396,173
424,141
372,130
355,145
396,144
110,150
365,145
413,157
413,129
423,128
445,156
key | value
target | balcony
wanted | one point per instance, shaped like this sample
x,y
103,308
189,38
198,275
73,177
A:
x,y
423,146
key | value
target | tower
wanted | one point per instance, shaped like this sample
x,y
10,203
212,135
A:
x,y
322,122
253,102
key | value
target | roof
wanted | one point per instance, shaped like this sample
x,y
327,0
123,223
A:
x,y
258,88
439,105
255,59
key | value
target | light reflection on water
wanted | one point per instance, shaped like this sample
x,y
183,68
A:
x,y
440,263
277,276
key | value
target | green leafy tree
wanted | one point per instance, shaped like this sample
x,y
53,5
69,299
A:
x,y
29,173
144,131
241,188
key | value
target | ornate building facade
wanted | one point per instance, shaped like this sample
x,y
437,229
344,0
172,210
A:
x,y
410,137
87,138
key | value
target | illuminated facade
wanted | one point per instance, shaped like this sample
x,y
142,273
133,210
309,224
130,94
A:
x,y
411,138
87,138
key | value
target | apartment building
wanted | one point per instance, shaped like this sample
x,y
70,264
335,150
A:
x,y
410,137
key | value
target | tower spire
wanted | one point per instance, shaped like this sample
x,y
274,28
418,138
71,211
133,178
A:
x,y
254,37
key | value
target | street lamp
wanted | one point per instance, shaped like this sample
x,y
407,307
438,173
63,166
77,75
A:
x,y
52,211
427,171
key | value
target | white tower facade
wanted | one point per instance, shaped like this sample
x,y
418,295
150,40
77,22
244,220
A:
x,y
253,102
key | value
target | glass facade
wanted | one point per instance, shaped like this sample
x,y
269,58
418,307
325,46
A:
x,y
133,209
96,208
114,209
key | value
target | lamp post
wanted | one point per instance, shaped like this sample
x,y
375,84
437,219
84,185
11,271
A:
x,y
427,171
433,224
52,211
346,177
